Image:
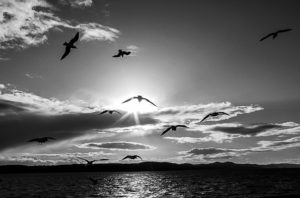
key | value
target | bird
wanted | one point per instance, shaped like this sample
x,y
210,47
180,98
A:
x,y
132,157
70,45
214,114
121,53
41,140
109,111
94,181
173,128
275,34
139,98
90,162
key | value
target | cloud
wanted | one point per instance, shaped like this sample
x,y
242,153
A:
x,y
117,146
193,114
26,23
95,31
25,116
2,86
225,153
77,3
133,49
264,129
212,153
212,137
49,158
280,144
33,76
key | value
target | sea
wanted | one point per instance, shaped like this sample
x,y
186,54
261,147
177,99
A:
x,y
177,184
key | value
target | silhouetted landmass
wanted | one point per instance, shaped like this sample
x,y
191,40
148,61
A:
x,y
143,166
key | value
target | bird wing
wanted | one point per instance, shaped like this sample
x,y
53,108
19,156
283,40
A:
x,y
125,157
103,112
67,52
182,126
117,112
149,101
165,131
104,159
138,157
205,117
118,54
127,53
284,30
223,113
73,40
128,100
265,37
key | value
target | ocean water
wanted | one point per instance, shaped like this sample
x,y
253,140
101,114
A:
x,y
203,183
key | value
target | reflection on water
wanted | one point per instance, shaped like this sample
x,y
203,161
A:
x,y
204,183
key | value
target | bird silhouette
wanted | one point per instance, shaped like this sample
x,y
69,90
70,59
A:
x,y
41,140
90,162
275,34
139,98
109,111
132,157
121,53
70,45
173,128
94,181
214,114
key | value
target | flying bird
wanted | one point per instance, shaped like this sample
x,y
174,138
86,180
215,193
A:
x,y
70,45
214,114
139,98
173,128
132,157
41,140
121,53
109,111
275,34
90,162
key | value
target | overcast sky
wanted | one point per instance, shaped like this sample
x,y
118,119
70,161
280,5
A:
x,y
190,58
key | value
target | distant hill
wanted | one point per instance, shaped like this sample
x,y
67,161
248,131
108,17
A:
x,y
143,166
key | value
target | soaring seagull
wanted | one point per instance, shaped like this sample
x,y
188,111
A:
x,y
275,34
121,53
90,162
70,45
214,114
139,98
41,140
173,128
109,111
132,157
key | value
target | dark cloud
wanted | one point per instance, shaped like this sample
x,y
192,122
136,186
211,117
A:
x,y
7,107
248,130
17,128
119,146
214,153
208,151
280,144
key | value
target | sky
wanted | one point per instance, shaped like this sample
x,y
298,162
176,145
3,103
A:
x,y
190,58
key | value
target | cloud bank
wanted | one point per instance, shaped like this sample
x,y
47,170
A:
x,y
117,146
26,23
